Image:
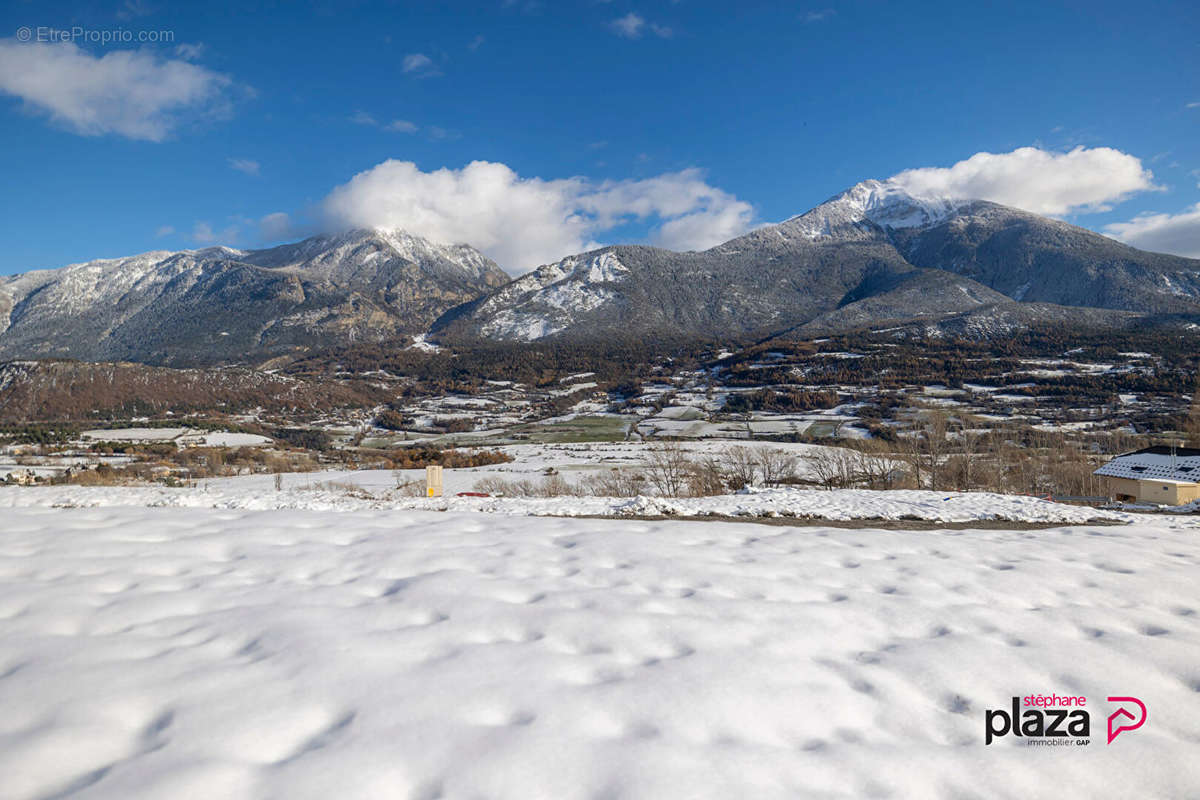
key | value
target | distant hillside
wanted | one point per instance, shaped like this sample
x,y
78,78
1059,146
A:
x,y
72,390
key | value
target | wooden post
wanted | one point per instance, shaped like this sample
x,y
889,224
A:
x,y
433,481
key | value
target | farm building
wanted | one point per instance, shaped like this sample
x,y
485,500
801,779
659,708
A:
x,y
24,477
1164,475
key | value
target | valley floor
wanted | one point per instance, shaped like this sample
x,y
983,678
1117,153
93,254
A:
x,y
365,490
381,653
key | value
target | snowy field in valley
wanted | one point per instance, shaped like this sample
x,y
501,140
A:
x,y
371,490
225,653
573,464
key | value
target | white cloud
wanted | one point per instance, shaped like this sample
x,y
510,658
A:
x,y
203,233
164,230
1194,105
131,9
274,227
694,215
817,16
1044,182
440,134
267,229
401,126
523,222
634,26
396,125
630,26
245,165
419,64
133,93
707,227
1162,233
190,52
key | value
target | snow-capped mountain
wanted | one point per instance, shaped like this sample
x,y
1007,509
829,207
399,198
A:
x,y
874,253
575,285
869,205
219,303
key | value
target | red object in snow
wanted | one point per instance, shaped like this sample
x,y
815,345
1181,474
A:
x,y
472,494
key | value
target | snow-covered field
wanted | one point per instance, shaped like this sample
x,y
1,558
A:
x,y
348,490
209,653
183,436
377,493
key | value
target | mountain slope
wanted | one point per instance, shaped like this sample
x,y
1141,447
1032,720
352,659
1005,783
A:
x,y
223,304
73,390
1035,259
760,282
873,254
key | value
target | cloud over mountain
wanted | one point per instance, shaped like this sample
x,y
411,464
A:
x,y
524,222
1178,234
1041,181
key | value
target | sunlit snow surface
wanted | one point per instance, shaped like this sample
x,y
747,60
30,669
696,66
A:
x,y
336,491
207,653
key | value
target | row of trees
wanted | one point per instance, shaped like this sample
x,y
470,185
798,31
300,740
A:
x,y
954,451
1192,424
671,470
940,451
538,364
780,400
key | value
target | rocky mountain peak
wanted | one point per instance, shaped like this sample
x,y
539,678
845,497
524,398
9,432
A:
x,y
857,212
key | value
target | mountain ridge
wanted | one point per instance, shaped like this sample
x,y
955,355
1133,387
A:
x,y
874,254
219,303
873,248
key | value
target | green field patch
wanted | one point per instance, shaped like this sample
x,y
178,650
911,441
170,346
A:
x,y
580,429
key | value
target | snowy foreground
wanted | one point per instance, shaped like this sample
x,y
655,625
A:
x,y
216,653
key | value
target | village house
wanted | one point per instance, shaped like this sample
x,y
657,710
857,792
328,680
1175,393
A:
x,y
22,477
1164,475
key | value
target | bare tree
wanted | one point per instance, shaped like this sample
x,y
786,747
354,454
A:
x,y
775,465
706,478
964,441
876,470
616,483
740,466
1192,426
667,469
925,449
829,466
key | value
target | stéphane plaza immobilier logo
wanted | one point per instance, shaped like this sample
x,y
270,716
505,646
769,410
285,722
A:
x,y
1060,720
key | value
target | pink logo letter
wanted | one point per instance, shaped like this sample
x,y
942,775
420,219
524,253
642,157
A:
x,y
1114,726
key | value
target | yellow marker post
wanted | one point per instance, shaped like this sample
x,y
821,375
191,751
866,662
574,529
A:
x,y
433,481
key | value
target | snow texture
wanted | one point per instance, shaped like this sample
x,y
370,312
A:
x,y
185,653
852,213
543,302
322,492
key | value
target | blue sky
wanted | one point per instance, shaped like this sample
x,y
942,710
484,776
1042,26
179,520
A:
x,y
670,122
